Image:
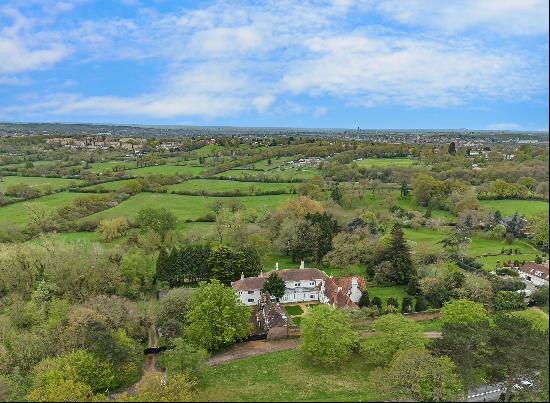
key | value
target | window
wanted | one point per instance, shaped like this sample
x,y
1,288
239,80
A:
x,y
250,300
312,283
296,284
312,296
251,292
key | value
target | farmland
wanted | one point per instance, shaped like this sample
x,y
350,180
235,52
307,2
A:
x,y
37,182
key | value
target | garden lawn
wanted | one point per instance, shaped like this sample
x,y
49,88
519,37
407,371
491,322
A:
x,y
213,185
509,207
185,207
37,181
384,162
294,310
17,213
396,291
286,376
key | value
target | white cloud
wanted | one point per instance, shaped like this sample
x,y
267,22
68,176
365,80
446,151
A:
x,y
371,70
228,58
505,17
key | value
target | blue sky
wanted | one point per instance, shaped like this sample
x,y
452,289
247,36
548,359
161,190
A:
x,y
480,64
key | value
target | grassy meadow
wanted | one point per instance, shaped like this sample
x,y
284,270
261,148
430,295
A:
x,y
37,182
286,376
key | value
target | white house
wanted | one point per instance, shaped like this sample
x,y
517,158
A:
x,y
303,285
534,272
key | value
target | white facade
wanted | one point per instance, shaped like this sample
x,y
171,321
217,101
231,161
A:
x,y
534,278
250,297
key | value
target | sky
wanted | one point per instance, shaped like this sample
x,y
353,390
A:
x,y
477,64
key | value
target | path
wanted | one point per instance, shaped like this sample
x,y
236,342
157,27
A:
x,y
149,363
251,348
259,347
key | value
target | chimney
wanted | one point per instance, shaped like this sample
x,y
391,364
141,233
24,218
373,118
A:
x,y
242,275
302,264
339,288
261,273
354,284
276,265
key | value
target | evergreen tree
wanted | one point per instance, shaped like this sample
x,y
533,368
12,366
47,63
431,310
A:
x,y
421,304
399,255
364,300
162,266
226,265
335,194
393,302
404,189
376,301
452,148
413,287
252,264
274,286
407,304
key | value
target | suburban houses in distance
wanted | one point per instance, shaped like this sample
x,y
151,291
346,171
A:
x,y
304,285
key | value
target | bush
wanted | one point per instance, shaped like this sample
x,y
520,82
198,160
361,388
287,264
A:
x,y
421,304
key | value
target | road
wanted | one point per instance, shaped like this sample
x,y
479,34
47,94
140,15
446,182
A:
x,y
486,393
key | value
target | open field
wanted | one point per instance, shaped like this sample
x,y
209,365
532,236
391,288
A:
x,y
263,164
286,376
108,166
283,174
509,207
17,213
384,162
213,185
184,207
36,181
113,185
166,170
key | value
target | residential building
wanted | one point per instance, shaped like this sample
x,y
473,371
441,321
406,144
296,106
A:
x,y
534,272
303,285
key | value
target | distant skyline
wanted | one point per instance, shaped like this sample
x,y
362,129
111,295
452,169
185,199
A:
x,y
402,64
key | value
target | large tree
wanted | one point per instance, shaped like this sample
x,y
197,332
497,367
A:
x,y
158,220
216,317
416,375
327,335
517,350
274,286
463,311
391,334
399,255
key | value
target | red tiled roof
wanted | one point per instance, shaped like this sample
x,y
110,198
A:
x,y
337,297
536,269
345,282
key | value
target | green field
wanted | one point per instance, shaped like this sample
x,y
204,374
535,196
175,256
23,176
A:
x,y
213,185
384,162
108,166
509,207
17,213
264,166
37,181
166,170
283,174
286,376
184,207
113,185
